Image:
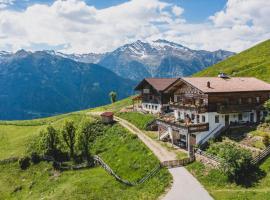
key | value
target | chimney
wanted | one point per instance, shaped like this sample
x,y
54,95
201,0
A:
x,y
208,84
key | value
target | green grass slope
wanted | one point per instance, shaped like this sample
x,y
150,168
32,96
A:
x,y
251,62
221,188
123,151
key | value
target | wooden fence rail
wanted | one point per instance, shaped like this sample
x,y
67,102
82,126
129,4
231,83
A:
x,y
177,163
261,156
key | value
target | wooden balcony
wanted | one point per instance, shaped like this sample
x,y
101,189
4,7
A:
x,y
188,128
233,108
192,107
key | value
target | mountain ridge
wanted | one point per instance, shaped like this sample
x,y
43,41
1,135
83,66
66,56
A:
x,y
159,58
38,84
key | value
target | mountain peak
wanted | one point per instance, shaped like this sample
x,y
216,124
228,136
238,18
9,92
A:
x,y
22,53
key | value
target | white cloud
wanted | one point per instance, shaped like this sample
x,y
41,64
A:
x,y
5,3
78,27
177,10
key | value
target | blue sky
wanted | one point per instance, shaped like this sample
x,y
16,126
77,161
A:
x,y
83,26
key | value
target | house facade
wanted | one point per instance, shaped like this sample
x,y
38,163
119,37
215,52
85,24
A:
x,y
205,106
153,98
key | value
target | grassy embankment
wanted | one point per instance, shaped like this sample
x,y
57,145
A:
x,y
124,152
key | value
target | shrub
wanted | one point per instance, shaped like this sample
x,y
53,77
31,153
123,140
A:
x,y
236,161
35,158
87,134
24,162
68,135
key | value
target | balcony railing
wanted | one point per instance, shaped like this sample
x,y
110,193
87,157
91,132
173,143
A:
x,y
236,108
200,108
190,128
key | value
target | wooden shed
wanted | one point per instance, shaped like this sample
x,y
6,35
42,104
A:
x,y
107,117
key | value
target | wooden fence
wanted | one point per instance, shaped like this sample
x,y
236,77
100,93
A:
x,y
177,163
209,156
261,156
118,178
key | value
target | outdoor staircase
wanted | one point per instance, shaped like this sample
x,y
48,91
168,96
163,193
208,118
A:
x,y
164,135
213,134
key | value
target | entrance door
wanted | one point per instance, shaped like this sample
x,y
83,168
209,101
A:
x,y
227,118
251,117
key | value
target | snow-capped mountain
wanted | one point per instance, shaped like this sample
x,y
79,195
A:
x,y
84,58
159,58
139,59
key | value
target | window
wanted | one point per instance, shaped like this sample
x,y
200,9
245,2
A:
x,y
179,114
198,119
155,107
203,118
240,117
146,91
192,116
240,100
150,97
264,113
217,119
249,100
146,106
258,99
152,106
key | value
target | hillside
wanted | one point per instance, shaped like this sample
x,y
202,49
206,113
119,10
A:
x,y
251,62
42,182
39,84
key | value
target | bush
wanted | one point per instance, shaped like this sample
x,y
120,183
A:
x,y
236,161
35,158
24,162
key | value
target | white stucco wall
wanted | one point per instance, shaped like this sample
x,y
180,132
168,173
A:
x,y
150,107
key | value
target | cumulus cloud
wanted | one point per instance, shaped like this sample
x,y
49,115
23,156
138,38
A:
x,y
74,26
5,3
177,10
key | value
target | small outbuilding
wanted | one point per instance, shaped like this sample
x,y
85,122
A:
x,y
107,117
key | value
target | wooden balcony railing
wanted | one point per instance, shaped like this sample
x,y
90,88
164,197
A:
x,y
200,108
236,108
190,128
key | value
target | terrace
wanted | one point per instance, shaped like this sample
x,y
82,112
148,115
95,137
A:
x,y
169,120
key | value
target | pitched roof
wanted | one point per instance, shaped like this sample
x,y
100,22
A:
x,y
234,84
107,114
159,84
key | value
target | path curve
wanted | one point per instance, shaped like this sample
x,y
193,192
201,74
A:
x,y
185,186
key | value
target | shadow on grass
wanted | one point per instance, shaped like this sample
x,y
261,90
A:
x,y
251,178
238,134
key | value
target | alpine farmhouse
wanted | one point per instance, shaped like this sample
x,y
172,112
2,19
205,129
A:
x,y
193,110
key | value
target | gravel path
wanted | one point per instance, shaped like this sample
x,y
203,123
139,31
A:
x,y
185,187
